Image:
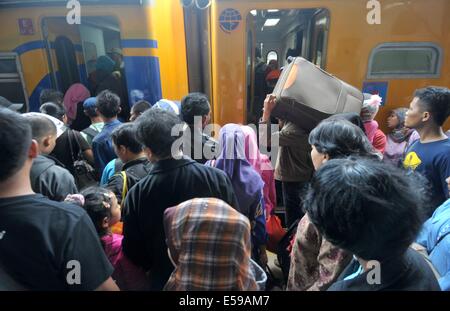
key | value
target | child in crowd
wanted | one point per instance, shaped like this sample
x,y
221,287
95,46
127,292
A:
x,y
400,137
104,211
369,111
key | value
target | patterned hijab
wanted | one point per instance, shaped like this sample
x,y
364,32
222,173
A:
x,y
209,243
400,133
247,183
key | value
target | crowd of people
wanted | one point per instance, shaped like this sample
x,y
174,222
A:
x,y
136,211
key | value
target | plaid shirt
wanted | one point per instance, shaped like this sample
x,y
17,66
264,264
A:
x,y
209,242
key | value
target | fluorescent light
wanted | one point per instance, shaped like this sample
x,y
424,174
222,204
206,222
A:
x,y
271,22
253,12
272,11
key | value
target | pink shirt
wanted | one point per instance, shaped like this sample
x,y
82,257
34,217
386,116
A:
x,y
127,275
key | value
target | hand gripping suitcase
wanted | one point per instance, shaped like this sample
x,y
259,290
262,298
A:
x,y
306,95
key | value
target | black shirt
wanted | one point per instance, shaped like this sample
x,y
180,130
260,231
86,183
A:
x,y
408,273
169,183
41,237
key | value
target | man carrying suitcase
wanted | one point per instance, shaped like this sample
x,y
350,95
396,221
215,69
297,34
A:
x,y
293,167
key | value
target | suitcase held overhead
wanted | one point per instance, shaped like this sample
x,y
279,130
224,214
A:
x,y
306,94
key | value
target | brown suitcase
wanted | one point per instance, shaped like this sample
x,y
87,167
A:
x,y
307,95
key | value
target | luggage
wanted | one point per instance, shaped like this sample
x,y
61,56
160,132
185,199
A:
x,y
307,95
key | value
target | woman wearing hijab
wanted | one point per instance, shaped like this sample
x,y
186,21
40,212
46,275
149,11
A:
x,y
73,105
209,245
399,138
247,185
369,111
261,163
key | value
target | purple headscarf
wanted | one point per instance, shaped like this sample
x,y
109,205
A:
x,y
247,183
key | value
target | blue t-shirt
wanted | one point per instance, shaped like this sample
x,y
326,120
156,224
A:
x,y
433,161
102,146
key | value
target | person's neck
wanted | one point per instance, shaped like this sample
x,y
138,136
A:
x,y
109,120
17,185
431,134
96,120
135,157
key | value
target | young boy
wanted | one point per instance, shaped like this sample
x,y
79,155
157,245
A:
x,y
108,106
47,177
135,163
431,155
44,245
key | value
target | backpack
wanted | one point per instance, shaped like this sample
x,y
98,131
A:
x,y
131,178
90,132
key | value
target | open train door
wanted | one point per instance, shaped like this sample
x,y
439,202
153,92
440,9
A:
x,y
63,48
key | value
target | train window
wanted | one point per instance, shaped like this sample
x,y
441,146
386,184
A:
x,y
319,40
405,60
11,80
272,55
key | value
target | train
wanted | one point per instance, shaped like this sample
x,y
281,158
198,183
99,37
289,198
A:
x,y
173,47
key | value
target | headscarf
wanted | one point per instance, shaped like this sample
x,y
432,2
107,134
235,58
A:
x,y
209,242
369,110
60,126
261,163
400,133
168,105
247,183
105,64
76,93
370,107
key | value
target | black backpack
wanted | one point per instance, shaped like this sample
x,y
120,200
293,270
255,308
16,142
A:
x,y
131,177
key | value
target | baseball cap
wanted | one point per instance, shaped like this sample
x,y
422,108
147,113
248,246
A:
x,y
7,104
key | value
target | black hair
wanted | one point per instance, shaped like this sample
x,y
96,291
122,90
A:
x,y
53,110
91,111
352,117
51,96
94,199
41,126
108,104
141,106
291,53
435,100
125,135
339,138
154,130
15,141
370,208
192,105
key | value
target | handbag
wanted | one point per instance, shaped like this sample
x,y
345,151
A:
x,y
84,173
275,231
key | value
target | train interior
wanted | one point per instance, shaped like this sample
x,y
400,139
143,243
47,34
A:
x,y
272,36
